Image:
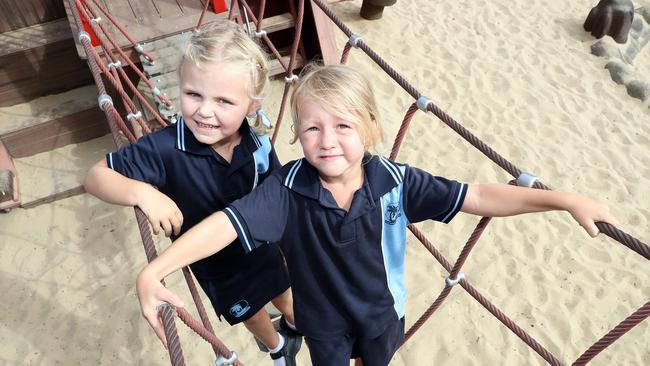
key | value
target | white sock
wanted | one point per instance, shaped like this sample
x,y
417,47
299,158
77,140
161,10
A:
x,y
280,361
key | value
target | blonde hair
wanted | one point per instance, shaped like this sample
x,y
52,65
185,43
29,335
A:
x,y
227,42
343,92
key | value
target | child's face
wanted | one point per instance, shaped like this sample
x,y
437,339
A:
x,y
214,101
331,144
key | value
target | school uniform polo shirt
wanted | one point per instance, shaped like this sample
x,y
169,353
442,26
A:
x,y
346,268
199,180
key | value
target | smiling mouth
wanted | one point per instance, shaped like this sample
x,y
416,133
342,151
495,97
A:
x,y
329,157
205,125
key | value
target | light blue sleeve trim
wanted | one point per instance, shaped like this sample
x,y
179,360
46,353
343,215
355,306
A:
x,y
248,247
456,207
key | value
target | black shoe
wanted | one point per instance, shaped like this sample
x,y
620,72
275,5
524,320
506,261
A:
x,y
292,343
284,327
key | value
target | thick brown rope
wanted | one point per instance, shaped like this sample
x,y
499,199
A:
x,y
611,337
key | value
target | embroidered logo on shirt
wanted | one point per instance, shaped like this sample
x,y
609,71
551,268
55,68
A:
x,y
239,309
392,213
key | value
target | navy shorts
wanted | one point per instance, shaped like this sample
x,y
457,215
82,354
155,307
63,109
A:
x,y
338,351
241,294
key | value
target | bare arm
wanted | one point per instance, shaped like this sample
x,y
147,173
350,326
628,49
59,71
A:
x,y
498,200
204,239
112,187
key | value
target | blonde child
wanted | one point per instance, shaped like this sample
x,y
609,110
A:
x,y
200,165
340,216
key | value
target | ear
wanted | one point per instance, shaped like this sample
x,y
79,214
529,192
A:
x,y
254,107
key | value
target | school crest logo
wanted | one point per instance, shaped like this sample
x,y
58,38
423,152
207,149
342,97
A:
x,y
239,309
392,213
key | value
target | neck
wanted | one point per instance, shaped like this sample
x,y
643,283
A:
x,y
225,147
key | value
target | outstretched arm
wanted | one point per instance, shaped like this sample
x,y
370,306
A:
x,y
498,200
204,239
112,187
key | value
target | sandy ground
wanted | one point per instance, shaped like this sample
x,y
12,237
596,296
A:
x,y
520,76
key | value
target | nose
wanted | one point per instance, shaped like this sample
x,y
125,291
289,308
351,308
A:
x,y
205,109
327,138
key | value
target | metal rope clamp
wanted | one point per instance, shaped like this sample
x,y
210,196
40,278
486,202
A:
x,y
102,99
220,361
115,64
259,34
450,282
423,103
354,40
134,115
82,35
97,20
291,79
526,180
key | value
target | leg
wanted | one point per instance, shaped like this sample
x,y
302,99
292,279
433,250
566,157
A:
x,y
261,327
358,362
284,303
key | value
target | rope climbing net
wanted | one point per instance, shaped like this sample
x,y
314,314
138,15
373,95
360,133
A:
x,y
109,64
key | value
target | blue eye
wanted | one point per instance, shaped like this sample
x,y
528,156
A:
x,y
223,101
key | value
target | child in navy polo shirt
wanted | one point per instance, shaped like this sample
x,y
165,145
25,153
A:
x,y
203,163
340,216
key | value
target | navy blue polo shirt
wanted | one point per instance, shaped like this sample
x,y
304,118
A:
x,y
199,180
346,268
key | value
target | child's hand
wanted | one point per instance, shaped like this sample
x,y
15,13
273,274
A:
x,y
587,212
152,293
161,211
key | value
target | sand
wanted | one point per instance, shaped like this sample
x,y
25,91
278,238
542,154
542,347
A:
x,y
520,76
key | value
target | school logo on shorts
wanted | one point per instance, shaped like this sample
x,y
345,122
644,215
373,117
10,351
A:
x,y
392,213
240,308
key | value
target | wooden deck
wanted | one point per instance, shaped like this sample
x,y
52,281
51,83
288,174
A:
x,y
146,21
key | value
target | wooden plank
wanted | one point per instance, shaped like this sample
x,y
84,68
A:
x,y
167,9
278,22
34,36
16,14
78,127
325,32
47,108
146,27
48,69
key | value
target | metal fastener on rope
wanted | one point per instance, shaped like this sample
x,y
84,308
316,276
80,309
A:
x,y
259,34
220,361
138,48
423,103
155,90
115,64
104,98
132,115
354,40
291,79
85,35
451,282
526,180
97,20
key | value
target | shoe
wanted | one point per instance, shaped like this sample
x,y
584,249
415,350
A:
x,y
292,343
283,326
